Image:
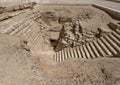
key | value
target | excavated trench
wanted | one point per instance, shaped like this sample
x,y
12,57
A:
x,y
82,34
69,31
59,45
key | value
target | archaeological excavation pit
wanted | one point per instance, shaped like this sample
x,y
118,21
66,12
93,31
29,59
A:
x,y
66,31
60,44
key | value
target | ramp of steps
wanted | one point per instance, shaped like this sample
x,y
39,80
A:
x,y
30,33
27,29
106,46
20,24
25,26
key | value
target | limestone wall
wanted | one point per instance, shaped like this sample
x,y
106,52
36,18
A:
x,y
112,12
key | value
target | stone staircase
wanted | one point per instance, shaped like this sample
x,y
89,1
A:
x,y
18,25
106,46
27,29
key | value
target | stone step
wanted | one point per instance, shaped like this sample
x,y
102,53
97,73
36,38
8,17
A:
x,y
17,23
20,22
11,28
71,53
63,56
32,42
24,29
28,32
78,52
23,21
75,53
90,50
116,35
33,34
86,52
66,53
55,57
82,52
118,31
114,39
103,46
94,49
24,35
99,49
60,56
29,22
23,25
112,43
108,45
36,43
33,31
112,50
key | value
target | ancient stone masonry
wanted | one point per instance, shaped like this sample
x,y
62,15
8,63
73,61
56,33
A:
x,y
105,46
63,44
6,12
68,32
75,35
